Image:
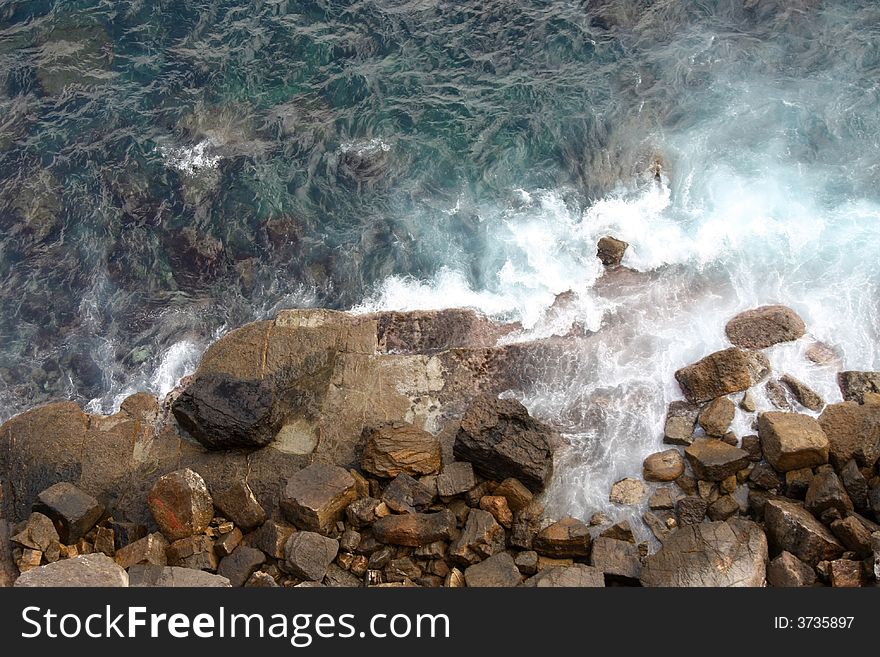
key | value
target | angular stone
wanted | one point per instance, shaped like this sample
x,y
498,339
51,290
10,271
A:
x,y
240,565
853,535
731,553
846,573
362,512
628,491
517,495
610,251
473,496
527,562
315,497
826,492
568,537
349,540
502,440
455,579
763,327
722,373
239,504
716,417
150,549
338,578
73,511
180,504
29,559
714,460
150,576
406,495
806,396
497,506
764,476
854,482
777,395
667,465
499,570
662,498
526,523
396,447
226,544
270,538
655,523
416,529
691,510
105,541
723,508
791,527
787,570
125,533
89,570
181,551
855,385
307,555
791,441
575,576
681,419
797,482
402,569
616,558
455,479
481,538
747,403
752,445
38,533
853,432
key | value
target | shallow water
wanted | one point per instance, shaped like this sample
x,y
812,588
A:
x,y
170,170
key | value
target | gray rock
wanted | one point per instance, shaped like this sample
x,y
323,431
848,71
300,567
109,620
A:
x,y
499,570
731,553
681,419
307,555
576,576
73,511
777,395
147,575
87,570
241,564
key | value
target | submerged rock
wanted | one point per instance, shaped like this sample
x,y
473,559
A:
x,y
765,326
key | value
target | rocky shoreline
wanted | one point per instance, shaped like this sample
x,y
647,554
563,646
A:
x,y
328,449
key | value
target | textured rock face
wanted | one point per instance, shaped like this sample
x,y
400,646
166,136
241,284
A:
x,y
715,460
721,373
853,432
792,528
855,385
238,504
791,441
667,465
415,529
73,511
308,554
567,538
433,331
181,505
316,496
789,571
681,418
147,576
502,440
717,416
765,326
88,570
576,576
498,570
731,553
610,251
616,558
396,448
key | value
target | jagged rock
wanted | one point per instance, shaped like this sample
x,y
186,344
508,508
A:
x,y
406,495
628,491
846,573
501,439
396,447
663,498
526,523
765,326
855,484
307,555
690,510
806,396
731,553
575,576
415,529
667,465
498,570
716,417
338,578
497,506
787,570
456,478
721,373
481,538
853,432
827,492
147,575
752,445
527,562
853,535
226,544
517,496
180,504
776,395
764,476
568,537
316,496
401,570
240,565
797,482
723,508
87,570
616,558
239,504
362,512
196,552
38,533
714,460
150,549
791,441
610,251
681,419
658,528
433,331
271,538
855,385
73,511
791,527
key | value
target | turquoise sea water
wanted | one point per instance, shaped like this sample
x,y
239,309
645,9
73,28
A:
x,y
169,170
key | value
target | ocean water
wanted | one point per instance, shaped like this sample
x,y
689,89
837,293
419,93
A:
x,y
171,170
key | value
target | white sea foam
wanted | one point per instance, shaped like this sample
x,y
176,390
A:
x,y
191,159
366,147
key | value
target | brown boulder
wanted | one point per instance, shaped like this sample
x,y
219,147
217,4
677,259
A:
x,y
610,251
787,570
765,326
681,419
396,447
316,496
628,491
517,496
73,511
481,538
667,465
238,504
617,559
568,537
853,432
415,529
499,570
791,527
806,396
715,460
717,416
855,385
827,492
150,549
791,441
180,504
87,570
721,373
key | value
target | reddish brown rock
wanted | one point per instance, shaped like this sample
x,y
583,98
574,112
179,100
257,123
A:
x,y
787,570
316,496
415,529
481,538
846,573
853,432
792,528
180,504
716,417
150,549
721,373
765,326
396,447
